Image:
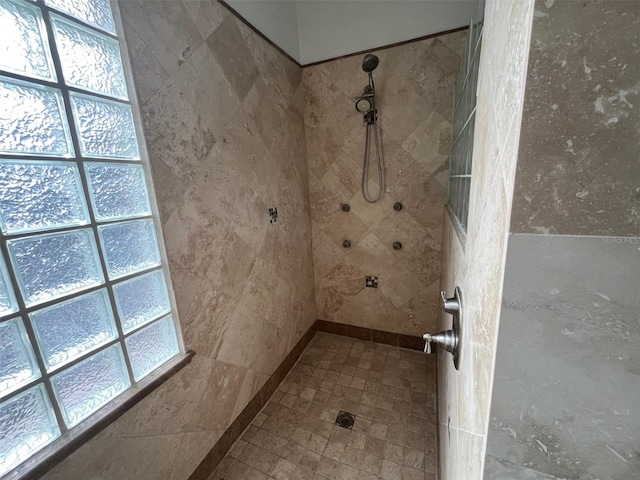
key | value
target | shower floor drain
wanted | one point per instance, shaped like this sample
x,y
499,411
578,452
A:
x,y
345,419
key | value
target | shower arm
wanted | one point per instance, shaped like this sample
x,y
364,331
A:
x,y
371,84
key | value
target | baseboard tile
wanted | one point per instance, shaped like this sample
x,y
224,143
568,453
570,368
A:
x,y
260,399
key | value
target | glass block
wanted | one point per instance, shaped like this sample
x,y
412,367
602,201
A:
x,y
152,346
117,190
90,384
105,128
28,425
40,195
33,120
142,299
53,265
8,304
129,247
94,12
23,43
70,329
89,59
17,363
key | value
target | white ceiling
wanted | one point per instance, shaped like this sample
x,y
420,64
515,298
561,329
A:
x,y
315,30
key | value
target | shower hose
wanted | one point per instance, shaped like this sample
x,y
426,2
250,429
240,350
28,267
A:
x,y
365,167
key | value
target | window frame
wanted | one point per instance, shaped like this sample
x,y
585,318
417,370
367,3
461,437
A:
x,y
463,127
74,437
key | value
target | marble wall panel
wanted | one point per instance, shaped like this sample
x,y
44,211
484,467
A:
x,y
222,113
414,86
566,380
475,261
578,169
566,371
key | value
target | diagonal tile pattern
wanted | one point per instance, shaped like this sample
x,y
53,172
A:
x,y
414,84
222,115
391,391
234,128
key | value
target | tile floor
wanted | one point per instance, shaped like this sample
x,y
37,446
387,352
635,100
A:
x,y
390,390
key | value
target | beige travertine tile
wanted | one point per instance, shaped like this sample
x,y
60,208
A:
x,y
393,451
344,280
372,309
240,471
242,336
414,83
283,470
266,462
185,286
429,143
190,232
169,188
237,205
342,178
148,74
455,41
175,133
375,445
207,320
323,203
336,452
391,470
222,119
345,227
478,264
206,15
166,28
170,410
141,460
204,85
371,214
194,446
253,381
220,403
233,55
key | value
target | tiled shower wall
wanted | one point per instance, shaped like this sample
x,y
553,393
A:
x,y
222,113
567,366
477,263
414,90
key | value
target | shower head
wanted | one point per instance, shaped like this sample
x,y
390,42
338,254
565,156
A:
x,y
370,62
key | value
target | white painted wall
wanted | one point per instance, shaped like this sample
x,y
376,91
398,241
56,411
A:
x,y
329,29
314,30
276,19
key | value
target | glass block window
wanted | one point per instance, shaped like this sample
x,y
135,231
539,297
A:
x,y
85,306
464,120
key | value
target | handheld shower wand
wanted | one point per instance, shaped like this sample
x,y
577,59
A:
x,y
365,104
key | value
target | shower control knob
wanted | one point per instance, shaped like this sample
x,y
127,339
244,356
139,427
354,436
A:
x,y
397,206
397,245
346,243
345,207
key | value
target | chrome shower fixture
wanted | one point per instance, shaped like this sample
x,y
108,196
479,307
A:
x,y
370,62
365,102
366,105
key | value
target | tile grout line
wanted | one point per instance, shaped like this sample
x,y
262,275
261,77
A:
x,y
225,443
262,453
